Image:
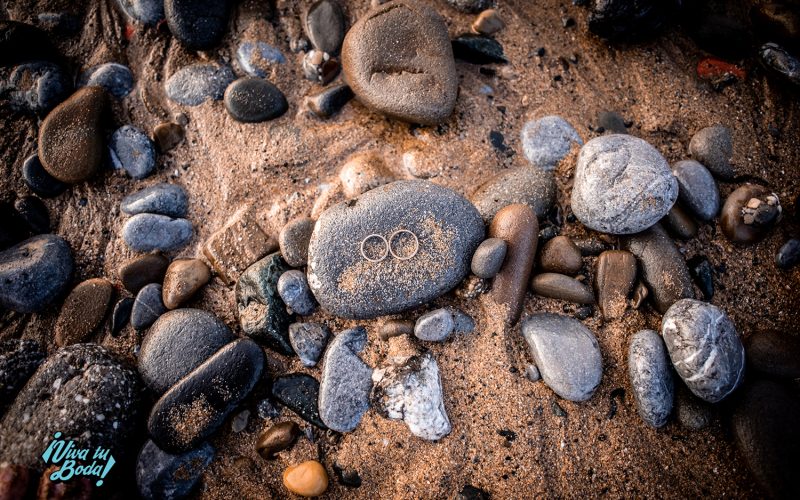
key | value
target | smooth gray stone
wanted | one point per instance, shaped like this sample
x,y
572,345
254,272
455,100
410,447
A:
x,y
165,199
294,291
566,354
622,185
133,151
713,147
116,78
704,347
530,186
34,273
293,241
81,391
161,475
434,326
697,189
346,381
324,24
177,343
651,377
546,141
252,100
488,258
147,307
148,232
308,341
462,322
447,227
145,11
410,389
195,84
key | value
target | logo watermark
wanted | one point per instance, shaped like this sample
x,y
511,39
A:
x,y
74,460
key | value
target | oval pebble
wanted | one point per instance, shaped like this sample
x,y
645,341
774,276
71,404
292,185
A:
x,y
148,232
83,311
488,258
713,148
193,85
143,270
562,287
164,199
324,24
147,307
346,381
34,273
132,151
40,182
651,377
145,11
530,186
293,289
328,102
183,279
279,437
546,141
435,326
697,189
788,255
253,100
121,315
294,239
116,78
197,24
256,57
307,479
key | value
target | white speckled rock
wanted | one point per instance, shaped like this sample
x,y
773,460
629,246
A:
x,y
622,185
651,377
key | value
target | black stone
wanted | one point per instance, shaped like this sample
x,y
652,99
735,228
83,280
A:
x,y
780,62
330,101
789,254
324,24
347,477
252,100
121,315
299,392
21,42
34,213
478,49
19,359
40,182
34,273
469,492
777,22
197,24
718,28
703,275
626,20
612,122
162,475
13,228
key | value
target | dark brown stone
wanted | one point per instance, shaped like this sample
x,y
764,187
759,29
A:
x,y
141,271
560,255
679,223
395,328
184,277
559,286
167,135
738,227
293,241
614,278
83,310
277,438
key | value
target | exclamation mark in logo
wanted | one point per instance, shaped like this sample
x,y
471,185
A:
x,y
107,468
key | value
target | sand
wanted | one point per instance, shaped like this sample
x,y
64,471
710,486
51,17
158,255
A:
x,y
560,449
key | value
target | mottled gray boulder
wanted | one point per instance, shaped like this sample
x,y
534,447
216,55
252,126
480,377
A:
x,y
622,185
410,389
162,198
530,186
81,391
148,232
34,273
308,341
704,347
177,343
193,85
433,233
546,141
346,381
566,354
651,377
697,189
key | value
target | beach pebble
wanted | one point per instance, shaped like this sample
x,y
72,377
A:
x,y
530,186
774,353
704,347
193,85
622,185
121,315
168,135
532,373
184,277
34,213
147,307
19,359
362,172
148,232
71,137
398,60
614,278
40,182
308,341
546,141
559,286
780,62
147,12
300,393
320,67
697,189
251,100
34,273
765,431
132,151
293,241
431,231
328,102
143,270
566,354
81,391
560,255
324,25
161,475
37,87
198,404
478,49
116,78
651,377
13,228
83,311
488,22
518,227
197,24
162,198
346,381
788,255
713,147
749,213
395,328
435,326
470,6
662,265
410,389
256,57
262,312
276,438
488,258
294,291
679,224
307,479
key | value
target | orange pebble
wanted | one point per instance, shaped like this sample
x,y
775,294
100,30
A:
x,y
307,479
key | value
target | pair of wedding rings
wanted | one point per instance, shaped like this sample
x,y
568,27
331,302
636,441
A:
x,y
387,246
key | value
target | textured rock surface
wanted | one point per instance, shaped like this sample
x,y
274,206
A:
x,y
183,279
19,359
294,291
435,326
197,24
160,475
34,273
622,185
308,341
704,347
346,381
132,151
547,141
410,389
530,186
83,311
195,84
651,377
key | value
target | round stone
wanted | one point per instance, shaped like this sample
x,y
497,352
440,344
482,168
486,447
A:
x,y
561,287
395,328
362,172
145,11
279,437
197,24
256,58
788,255
148,232
40,182
184,277
132,151
168,135
307,479
328,102
749,213
697,189
34,273
434,326
560,255
530,186
293,289
141,271
164,199
546,141
399,61
193,85
293,241
252,100
83,310
704,347
622,185
324,24
488,258
346,381
651,377
713,147
147,307
115,78
37,87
